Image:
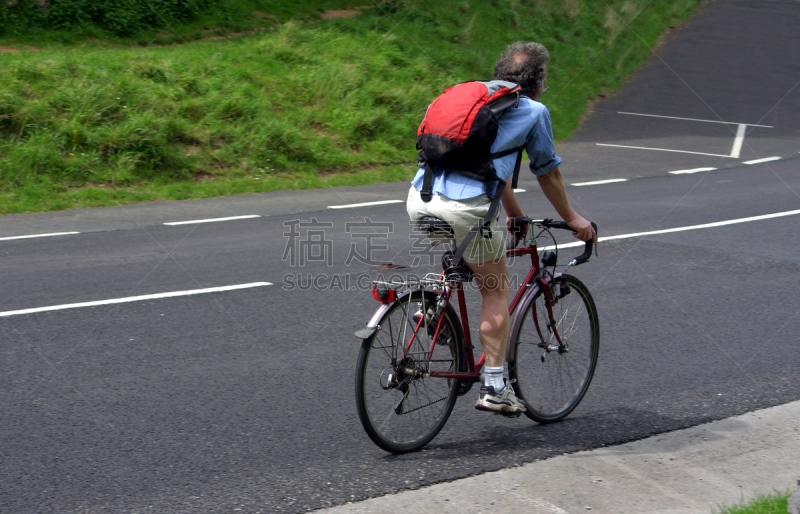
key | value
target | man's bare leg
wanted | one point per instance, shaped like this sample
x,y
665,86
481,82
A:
x,y
492,280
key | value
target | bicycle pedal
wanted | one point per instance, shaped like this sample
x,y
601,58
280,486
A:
x,y
465,386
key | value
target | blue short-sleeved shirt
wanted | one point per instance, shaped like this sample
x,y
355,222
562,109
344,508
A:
x,y
527,124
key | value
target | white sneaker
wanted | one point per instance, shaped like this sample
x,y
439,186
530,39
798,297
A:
x,y
505,402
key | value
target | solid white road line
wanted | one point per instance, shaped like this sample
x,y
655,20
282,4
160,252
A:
x,y
38,235
365,204
213,220
690,227
663,150
765,159
694,119
598,182
695,170
519,190
135,298
738,140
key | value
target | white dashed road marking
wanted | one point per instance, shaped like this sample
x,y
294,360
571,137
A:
x,y
695,170
263,284
213,220
598,182
765,159
135,298
38,235
365,204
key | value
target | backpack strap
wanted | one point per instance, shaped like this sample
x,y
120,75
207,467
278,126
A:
x,y
426,193
515,177
486,222
518,151
481,225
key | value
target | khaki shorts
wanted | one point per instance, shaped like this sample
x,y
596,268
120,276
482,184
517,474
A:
x,y
462,215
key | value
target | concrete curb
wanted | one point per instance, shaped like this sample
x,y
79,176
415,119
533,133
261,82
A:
x,y
794,503
700,469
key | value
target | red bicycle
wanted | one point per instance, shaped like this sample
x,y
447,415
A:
x,y
417,355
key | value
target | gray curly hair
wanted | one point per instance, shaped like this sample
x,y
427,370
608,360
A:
x,y
524,64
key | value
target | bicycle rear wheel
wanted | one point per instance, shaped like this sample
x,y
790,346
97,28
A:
x,y
400,406
552,378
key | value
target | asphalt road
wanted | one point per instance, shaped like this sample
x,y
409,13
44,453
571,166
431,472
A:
x,y
720,91
242,400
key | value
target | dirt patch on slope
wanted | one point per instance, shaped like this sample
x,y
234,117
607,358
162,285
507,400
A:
x,y
13,50
344,13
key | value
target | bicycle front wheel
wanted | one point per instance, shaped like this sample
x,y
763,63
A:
x,y
553,362
400,405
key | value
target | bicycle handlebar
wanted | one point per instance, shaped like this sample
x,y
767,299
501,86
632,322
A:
x,y
517,222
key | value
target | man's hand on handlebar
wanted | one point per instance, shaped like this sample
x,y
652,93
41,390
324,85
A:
x,y
517,230
581,228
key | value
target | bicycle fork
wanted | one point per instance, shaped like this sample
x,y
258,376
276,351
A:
x,y
552,292
546,323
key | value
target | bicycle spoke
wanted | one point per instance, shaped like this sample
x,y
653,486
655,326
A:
x,y
403,412
554,379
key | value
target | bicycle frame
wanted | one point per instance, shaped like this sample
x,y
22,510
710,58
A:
x,y
530,286
398,345
534,282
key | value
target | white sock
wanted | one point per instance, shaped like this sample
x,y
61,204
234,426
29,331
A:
x,y
493,377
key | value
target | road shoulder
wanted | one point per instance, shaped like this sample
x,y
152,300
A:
x,y
698,469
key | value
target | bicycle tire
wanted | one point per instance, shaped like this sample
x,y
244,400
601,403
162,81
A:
x,y
402,419
550,381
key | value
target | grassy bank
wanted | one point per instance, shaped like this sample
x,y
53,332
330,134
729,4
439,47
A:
x,y
303,104
147,22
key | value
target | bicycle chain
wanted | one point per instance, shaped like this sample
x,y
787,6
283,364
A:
x,y
422,406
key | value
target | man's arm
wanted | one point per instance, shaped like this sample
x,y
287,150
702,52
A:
x,y
510,203
512,208
552,185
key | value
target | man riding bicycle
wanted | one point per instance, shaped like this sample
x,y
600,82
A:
x,y
462,202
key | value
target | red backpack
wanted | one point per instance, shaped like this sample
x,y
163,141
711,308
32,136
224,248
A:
x,y
460,127
457,134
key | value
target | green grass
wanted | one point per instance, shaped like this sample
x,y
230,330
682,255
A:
x,y
763,504
73,24
303,104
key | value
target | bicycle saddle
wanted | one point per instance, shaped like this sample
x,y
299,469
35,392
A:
x,y
435,227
